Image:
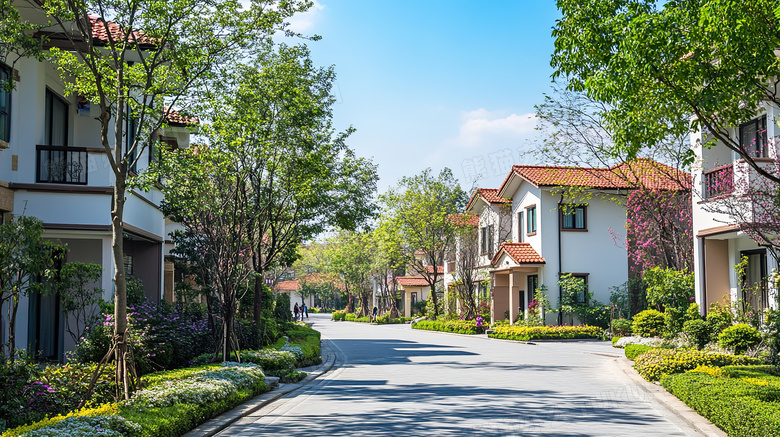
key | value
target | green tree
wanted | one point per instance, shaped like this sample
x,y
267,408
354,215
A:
x,y
24,258
662,67
155,55
419,209
79,298
275,115
349,255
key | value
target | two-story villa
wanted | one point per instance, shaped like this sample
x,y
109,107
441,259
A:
x,y
53,167
724,212
563,221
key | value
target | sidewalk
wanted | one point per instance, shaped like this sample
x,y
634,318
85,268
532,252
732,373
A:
x,y
217,424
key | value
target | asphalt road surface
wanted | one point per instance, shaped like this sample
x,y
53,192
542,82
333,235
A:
x,y
390,380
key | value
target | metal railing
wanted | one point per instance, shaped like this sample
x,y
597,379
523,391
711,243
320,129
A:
x,y
61,165
718,181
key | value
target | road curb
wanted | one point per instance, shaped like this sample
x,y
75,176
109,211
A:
x,y
219,423
669,401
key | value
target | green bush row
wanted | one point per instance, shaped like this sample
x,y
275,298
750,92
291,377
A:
x,y
458,326
653,364
742,406
527,333
634,350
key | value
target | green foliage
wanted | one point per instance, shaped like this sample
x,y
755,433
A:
x,y
699,331
577,301
675,319
745,404
621,327
772,322
653,364
719,318
433,306
78,302
615,340
135,291
339,316
634,350
458,326
739,337
282,311
669,288
350,317
648,323
527,333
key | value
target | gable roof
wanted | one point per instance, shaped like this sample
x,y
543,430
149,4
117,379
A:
x,y
641,172
521,253
489,195
466,219
102,29
175,118
412,281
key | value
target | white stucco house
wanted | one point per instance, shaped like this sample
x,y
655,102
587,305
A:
x,y
53,167
724,214
554,234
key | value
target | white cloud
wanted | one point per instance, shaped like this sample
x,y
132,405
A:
x,y
304,22
493,128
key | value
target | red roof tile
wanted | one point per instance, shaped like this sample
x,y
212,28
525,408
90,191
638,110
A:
x,y
175,118
439,269
489,195
294,284
287,285
521,253
412,281
639,172
101,30
465,219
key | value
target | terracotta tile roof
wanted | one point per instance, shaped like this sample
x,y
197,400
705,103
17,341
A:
x,y
287,285
521,253
175,118
101,30
439,269
489,195
419,252
294,284
639,172
412,281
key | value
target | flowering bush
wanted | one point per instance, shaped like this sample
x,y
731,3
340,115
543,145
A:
x,y
644,341
739,337
86,426
270,360
649,323
527,333
658,362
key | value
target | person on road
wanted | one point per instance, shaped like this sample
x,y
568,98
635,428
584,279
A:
x,y
304,310
295,311
376,310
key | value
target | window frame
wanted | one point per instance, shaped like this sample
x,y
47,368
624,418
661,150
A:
x,y
760,124
520,218
6,74
584,277
573,213
49,116
530,213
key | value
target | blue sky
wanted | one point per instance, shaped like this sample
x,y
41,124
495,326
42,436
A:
x,y
436,83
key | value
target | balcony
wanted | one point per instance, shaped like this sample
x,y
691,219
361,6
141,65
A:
x,y
718,181
61,165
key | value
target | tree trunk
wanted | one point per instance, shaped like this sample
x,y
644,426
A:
x,y
120,283
258,298
435,300
12,328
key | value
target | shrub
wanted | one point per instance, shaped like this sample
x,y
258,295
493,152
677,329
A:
x,y
621,327
645,341
458,326
339,316
739,337
272,361
350,317
634,350
658,362
742,407
669,288
719,318
615,340
527,333
699,332
673,320
282,311
648,323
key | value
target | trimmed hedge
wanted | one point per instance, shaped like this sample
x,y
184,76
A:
x,y
527,333
747,405
634,350
338,316
458,326
653,364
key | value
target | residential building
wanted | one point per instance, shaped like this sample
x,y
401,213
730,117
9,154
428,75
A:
x,y
53,167
564,220
726,214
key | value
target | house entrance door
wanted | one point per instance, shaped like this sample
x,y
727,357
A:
x,y
754,286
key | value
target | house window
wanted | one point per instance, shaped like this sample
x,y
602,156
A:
x,y
132,127
581,296
752,137
573,217
5,105
530,225
56,120
414,298
487,240
520,227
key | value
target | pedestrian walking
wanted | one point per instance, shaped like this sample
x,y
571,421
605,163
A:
x,y
296,310
376,310
304,310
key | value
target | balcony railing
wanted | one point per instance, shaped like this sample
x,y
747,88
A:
x,y
719,181
61,165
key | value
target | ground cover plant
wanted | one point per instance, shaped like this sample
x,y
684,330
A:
x,y
527,333
653,364
743,401
634,350
470,327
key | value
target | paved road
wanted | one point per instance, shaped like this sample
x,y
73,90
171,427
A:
x,y
394,381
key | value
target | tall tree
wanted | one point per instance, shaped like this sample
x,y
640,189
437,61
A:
x,y
349,254
467,261
151,56
276,117
663,67
419,208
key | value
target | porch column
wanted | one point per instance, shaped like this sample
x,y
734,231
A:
x,y
407,303
524,297
499,303
514,296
